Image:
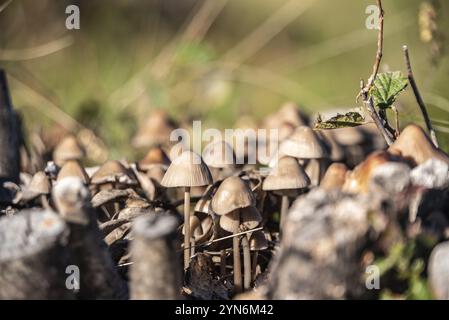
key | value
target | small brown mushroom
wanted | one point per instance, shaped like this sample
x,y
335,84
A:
x,y
335,176
187,171
68,149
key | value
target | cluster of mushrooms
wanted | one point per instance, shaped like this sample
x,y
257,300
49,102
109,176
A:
x,y
229,218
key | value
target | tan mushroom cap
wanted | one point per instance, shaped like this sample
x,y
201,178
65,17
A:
x,y
232,194
155,130
230,222
201,227
337,152
357,181
73,168
113,171
156,172
156,155
335,176
288,174
245,219
203,204
348,136
187,170
303,143
68,149
258,241
39,185
414,145
219,154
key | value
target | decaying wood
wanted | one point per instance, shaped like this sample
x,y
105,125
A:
x,y
439,271
99,278
318,257
33,259
157,270
9,139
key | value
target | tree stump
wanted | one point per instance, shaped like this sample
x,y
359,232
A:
x,y
156,270
33,260
99,278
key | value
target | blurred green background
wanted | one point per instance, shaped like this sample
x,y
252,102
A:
x,y
212,60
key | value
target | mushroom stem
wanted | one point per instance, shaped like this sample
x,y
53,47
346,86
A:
x,y
254,265
192,247
315,171
186,227
236,259
223,262
44,202
246,263
284,210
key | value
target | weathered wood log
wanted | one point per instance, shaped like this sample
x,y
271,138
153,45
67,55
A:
x,y
157,270
9,138
319,253
439,271
33,260
99,278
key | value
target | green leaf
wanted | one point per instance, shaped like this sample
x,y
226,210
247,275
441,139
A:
x,y
350,119
387,88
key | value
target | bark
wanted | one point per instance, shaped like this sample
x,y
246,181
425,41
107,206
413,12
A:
x,y
33,260
156,271
99,278
319,255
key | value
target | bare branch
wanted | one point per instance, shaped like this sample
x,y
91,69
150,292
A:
x,y
419,99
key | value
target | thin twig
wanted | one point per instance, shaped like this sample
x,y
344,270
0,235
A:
x,y
369,104
379,53
419,99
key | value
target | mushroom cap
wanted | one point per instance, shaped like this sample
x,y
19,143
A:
x,y
250,218
113,171
335,176
258,241
39,185
201,227
232,194
334,149
230,222
288,174
290,113
303,143
156,129
72,168
219,154
203,204
68,149
357,180
348,136
414,145
187,170
156,155
156,172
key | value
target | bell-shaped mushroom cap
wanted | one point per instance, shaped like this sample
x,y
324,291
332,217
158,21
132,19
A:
x,y
288,174
39,185
250,218
348,136
232,194
303,143
414,145
200,226
187,170
357,181
204,203
230,222
155,130
258,241
219,154
334,149
113,171
335,176
72,168
68,149
156,155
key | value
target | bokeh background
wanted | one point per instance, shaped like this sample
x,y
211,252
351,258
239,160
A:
x,y
218,61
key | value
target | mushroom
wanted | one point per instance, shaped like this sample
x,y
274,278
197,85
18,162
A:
x,y
335,176
257,242
220,158
39,186
155,130
68,149
414,145
286,179
304,144
187,171
154,156
232,195
72,168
